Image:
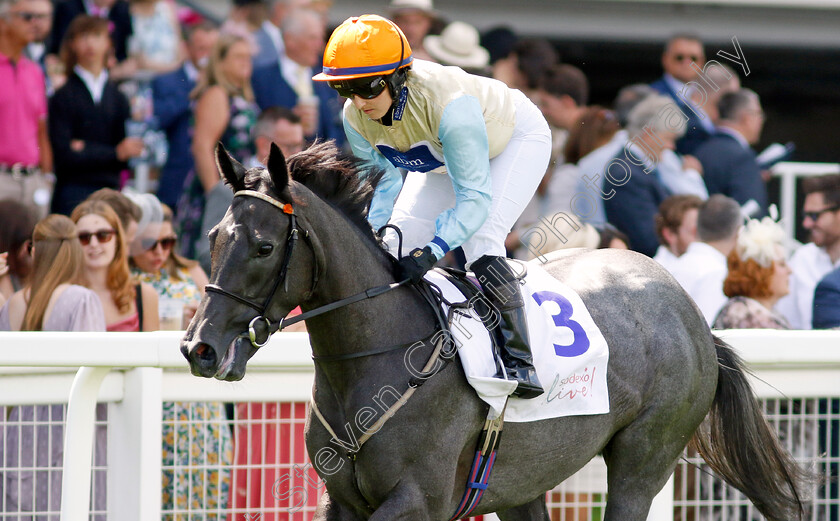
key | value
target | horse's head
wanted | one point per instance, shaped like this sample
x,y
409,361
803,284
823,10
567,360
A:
x,y
261,268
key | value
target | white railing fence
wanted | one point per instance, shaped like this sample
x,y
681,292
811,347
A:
x,y
797,376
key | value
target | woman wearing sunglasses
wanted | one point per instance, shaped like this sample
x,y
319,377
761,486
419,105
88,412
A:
x,y
172,276
53,301
128,305
475,151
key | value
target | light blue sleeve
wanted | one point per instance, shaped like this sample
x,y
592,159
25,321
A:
x,y
389,186
466,152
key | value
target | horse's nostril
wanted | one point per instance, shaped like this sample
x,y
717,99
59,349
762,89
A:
x,y
205,355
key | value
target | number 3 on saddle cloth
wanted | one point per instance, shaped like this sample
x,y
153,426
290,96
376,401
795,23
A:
x,y
570,353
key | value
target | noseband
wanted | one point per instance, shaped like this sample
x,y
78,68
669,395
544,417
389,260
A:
x,y
294,231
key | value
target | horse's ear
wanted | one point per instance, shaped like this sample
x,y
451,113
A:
x,y
232,170
277,168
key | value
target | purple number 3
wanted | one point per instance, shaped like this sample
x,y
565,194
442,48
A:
x,y
580,343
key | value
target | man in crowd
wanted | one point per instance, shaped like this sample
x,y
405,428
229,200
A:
x,y
682,57
36,50
702,269
726,80
290,84
416,18
814,260
25,151
676,227
269,37
173,108
280,126
563,94
729,164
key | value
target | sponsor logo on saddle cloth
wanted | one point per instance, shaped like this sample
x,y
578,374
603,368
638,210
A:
x,y
418,158
570,353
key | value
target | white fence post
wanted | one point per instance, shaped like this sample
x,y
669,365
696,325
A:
x,y
662,508
134,442
78,443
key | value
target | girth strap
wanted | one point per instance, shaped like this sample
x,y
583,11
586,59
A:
x,y
479,475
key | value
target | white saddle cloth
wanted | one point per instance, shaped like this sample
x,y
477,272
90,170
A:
x,y
570,353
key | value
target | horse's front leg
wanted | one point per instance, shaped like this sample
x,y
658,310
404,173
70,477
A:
x,y
330,510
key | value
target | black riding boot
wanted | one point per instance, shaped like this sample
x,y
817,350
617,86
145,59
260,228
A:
x,y
501,287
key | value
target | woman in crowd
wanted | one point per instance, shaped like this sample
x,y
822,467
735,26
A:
x,y
195,434
15,240
128,212
224,111
757,279
128,305
87,118
172,276
51,302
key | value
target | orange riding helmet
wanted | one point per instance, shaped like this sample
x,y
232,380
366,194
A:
x,y
362,46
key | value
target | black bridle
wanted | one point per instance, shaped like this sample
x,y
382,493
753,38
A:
x,y
295,230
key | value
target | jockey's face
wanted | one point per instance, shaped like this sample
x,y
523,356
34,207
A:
x,y
374,108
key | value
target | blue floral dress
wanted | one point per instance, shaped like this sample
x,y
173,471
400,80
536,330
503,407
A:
x,y
237,140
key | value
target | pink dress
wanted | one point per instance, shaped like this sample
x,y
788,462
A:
x,y
131,323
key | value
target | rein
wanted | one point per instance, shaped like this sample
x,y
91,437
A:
x,y
295,230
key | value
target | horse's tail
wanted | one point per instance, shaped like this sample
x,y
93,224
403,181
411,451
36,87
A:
x,y
739,445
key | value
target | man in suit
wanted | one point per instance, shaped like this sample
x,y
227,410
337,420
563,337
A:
x,y
289,84
268,37
681,60
173,109
115,11
729,164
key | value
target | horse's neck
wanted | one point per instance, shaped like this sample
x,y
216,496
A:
x,y
353,265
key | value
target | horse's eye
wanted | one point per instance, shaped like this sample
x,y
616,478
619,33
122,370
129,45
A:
x,y
265,250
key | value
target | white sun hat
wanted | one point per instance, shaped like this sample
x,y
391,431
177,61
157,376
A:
x,y
458,45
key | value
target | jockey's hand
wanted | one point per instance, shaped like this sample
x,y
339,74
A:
x,y
415,264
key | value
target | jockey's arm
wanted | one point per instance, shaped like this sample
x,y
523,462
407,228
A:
x,y
388,188
466,152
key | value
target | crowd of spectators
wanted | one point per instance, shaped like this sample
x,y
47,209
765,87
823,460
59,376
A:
x,y
668,171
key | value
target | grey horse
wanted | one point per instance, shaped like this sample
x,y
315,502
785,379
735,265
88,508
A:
x,y
670,381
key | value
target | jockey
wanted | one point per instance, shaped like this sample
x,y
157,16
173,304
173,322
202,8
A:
x,y
475,151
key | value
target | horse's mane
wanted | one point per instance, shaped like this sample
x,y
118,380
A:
x,y
340,179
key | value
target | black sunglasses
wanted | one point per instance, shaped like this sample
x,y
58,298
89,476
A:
x,y
102,236
816,215
365,88
166,243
